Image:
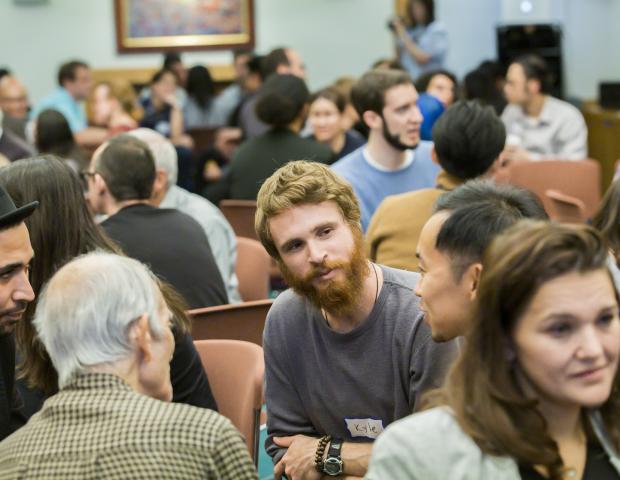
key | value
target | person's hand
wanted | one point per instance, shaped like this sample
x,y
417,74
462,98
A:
x,y
298,461
514,154
399,27
227,139
212,171
171,99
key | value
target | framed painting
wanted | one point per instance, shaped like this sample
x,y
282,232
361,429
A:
x,y
164,25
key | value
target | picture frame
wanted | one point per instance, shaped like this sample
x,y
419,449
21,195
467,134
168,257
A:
x,y
183,25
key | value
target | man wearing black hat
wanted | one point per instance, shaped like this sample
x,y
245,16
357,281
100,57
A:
x,y
15,293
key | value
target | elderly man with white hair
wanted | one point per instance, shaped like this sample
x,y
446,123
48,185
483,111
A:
x,y
167,194
106,327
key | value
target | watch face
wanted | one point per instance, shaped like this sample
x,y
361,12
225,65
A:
x,y
332,466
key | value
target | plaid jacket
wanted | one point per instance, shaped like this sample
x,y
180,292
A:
x,y
98,427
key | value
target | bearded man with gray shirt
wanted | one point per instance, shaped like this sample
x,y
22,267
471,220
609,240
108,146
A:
x,y
346,350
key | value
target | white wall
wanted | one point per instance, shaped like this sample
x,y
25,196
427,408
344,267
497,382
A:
x,y
335,37
471,26
591,45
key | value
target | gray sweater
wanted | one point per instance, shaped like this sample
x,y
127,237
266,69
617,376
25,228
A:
x,y
349,385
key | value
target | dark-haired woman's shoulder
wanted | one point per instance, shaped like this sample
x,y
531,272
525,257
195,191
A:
x,y
313,150
352,141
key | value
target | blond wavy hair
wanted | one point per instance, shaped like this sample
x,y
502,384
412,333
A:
x,y
302,182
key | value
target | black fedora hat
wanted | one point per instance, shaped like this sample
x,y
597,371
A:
x,y
11,215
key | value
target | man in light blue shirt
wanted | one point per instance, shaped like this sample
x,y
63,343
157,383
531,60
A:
x,y
394,160
75,82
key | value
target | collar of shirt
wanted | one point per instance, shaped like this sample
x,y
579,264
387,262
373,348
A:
x,y
545,117
172,197
409,157
62,92
96,381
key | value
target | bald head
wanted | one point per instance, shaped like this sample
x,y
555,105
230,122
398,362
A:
x,y
13,97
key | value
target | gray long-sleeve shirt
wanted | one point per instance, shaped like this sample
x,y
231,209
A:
x,y
349,385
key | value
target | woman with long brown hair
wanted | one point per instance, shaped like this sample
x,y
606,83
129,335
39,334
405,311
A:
x,y
607,218
535,393
60,230
421,41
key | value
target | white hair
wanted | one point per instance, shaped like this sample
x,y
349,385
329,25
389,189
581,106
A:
x,y
85,311
163,151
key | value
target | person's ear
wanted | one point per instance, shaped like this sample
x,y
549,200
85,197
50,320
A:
x,y
495,166
434,155
372,119
116,104
304,111
100,186
533,86
283,69
471,277
140,337
161,181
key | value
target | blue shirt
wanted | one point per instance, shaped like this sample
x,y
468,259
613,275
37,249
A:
x,y
158,120
372,184
433,40
61,101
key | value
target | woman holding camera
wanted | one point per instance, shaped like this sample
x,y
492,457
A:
x,y
422,46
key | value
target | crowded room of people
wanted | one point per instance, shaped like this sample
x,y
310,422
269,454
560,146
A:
x,y
293,239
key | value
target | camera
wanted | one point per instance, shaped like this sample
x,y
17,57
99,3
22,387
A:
x,y
391,23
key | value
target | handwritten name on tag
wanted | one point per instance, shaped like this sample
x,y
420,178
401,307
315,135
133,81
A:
x,y
364,427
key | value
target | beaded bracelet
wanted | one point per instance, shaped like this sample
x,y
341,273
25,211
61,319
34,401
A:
x,y
320,451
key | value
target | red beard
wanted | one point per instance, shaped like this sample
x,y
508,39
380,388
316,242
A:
x,y
337,297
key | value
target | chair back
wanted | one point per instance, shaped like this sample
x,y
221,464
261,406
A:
x,y
236,372
579,179
564,208
253,267
240,321
240,215
203,138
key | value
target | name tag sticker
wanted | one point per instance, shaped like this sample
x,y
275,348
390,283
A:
x,y
364,427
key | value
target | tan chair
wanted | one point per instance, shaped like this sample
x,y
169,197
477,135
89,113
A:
x,y
236,372
564,208
253,266
203,138
578,179
241,321
240,215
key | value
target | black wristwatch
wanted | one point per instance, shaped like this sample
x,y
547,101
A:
x,y
333,465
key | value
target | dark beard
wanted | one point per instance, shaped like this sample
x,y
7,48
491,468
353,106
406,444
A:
x,y
394,140
337,297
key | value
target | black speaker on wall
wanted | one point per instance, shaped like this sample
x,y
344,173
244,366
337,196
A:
x,y
544,40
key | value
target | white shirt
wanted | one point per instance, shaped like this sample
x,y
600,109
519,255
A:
x,y
559,132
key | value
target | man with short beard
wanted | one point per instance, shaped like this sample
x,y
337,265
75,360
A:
x,y
15,294
394,160
346,351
